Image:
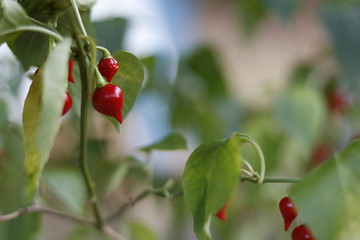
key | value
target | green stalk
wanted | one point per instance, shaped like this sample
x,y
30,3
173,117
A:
x,y
245,138
78,17
272,180
90,185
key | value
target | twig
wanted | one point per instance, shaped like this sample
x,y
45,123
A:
x,y
272,180
146,192
139,197
127,204
106,230
33,209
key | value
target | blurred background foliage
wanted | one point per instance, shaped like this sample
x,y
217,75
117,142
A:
x,y
302,124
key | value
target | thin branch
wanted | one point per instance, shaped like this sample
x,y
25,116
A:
x,y
106,230
129,203
39,209
139,197
146,192
272,180
78,17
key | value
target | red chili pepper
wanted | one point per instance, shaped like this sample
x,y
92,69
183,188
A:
x,y
108,67
67,104
109,100
302,233
70,69
288,211
221,214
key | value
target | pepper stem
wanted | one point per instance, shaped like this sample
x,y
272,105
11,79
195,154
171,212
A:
x,y
106,53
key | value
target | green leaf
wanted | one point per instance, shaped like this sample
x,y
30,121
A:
x,y
140,231
173,141
210,176
301,112
340,20
205,65
27,227
67,185
129,78
110,33
284,8
42,110
31,48
65,28
107,173
13,16
252,14
1,9
333,190
12,180
85,232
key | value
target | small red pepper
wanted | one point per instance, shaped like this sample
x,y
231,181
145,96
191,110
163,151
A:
x,y
288,211
67,104
70,69
108,67
221,214
109,100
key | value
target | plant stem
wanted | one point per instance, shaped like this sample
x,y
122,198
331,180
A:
x,y
90,185
78,17
272,180
146,192
33,209
245,138
105,52
127,204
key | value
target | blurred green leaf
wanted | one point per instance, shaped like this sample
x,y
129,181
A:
x,y
333,190
301,73
283,8
13,16
85,232
205,65
3,114
65,25
44,10
13,186
173,141
1,9
107,174
268,135
12,180
110,33
210,176
140,231
251,14
301,112
42,110
340,21
31,48
199,99
67,185
129,78
27,227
